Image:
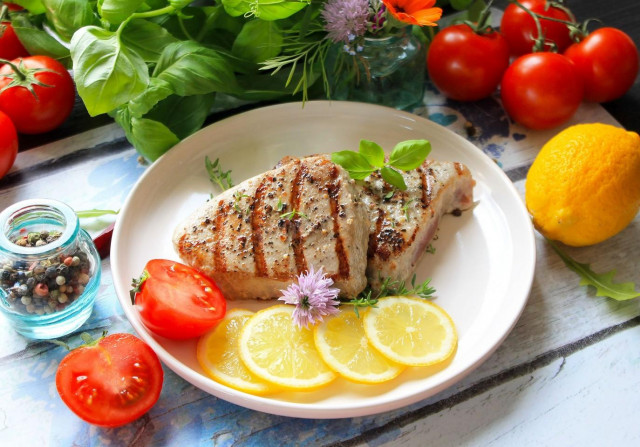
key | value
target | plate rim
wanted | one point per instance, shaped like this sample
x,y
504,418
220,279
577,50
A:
x,y
297,409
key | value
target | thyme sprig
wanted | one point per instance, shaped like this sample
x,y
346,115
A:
x,y
390,287
292,214
217,176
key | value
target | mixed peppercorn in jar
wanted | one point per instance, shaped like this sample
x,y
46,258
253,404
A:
x,y
49,269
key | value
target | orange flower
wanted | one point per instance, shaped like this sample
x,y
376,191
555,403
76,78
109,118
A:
x,y
414,12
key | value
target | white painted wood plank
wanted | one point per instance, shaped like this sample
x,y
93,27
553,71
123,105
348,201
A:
x,y
589,398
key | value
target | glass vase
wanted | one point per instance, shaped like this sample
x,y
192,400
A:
x,y
388,71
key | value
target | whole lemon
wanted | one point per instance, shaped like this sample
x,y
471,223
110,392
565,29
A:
x,y
584,185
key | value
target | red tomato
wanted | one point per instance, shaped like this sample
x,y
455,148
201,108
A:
x,y
51,104
541,90
10,46
112,382
465,65
13,6
8,144
519,28
607,61
177,301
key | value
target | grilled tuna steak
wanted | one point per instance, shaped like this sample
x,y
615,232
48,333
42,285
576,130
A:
x,y
255,238
402,223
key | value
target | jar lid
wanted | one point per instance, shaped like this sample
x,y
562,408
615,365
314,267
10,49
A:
x,y
23,209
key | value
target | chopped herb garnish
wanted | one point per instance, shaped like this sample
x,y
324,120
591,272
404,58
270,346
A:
x,y
237,197
292,214
431,249
390,287
217,176
280,206
405,208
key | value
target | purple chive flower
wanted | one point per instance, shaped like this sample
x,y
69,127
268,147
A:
x,y
345,19
312,296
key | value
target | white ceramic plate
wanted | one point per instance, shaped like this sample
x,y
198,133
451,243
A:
x,y
482,268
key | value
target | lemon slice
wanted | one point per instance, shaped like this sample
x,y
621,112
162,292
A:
x,y
411,331
218,354
343,345
277,350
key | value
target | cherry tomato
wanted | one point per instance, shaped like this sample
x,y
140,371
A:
x,y
112,382
177,301
607,61
519,28
541,90
49,106
10,45
467,66
8,144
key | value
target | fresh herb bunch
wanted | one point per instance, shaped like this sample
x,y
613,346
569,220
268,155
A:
x,y
159,67
370,158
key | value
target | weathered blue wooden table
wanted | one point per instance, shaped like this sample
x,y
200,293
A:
x,y
568,374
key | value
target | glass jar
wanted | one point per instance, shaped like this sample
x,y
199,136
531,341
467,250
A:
x,y
389,71
49,269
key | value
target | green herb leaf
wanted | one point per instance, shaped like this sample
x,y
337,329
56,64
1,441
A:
x,y
146,38
372,152
393,177
33,6
183,115
410,154
258,41
603,283
193,69
117,11
354,162
107,73
68,16
38,41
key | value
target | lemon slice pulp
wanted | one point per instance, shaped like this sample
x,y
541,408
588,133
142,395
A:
x,y
218,354
411,331
278,351
344,346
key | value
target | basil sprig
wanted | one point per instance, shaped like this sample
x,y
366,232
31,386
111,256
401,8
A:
x,y
406,155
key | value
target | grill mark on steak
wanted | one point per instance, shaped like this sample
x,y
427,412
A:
x,y
257,224
221,214
334,190
297,241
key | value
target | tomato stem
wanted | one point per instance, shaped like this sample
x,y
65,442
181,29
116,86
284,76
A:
x,y
539,41
19,74
482,26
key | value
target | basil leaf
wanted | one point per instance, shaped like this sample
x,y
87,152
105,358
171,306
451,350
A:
x,y
258,41
236,8
117,11
192,69
393,177
68,16
151,138
409,154
277,9
156,91
38,41
146,38
183,115
372,152
358,166
107,73
33,6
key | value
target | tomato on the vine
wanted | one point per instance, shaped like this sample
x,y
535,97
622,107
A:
x,y
519,28
541,90
10,45
37,93
607,61
177,301
110,382
8,144
466,65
